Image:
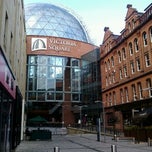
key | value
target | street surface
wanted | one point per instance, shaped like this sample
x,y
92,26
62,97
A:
x,y
82,143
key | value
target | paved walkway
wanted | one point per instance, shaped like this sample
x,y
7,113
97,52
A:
x,y
82,143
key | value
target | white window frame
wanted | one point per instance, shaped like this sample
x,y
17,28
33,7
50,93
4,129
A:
x,y
134,92
120,73
124,53
149,86
119,56
121,96
126,95
136,46
144,35
131,48
138,64
140,90
150,33
132,67
147,60
125,71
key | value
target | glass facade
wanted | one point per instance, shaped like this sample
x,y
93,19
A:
x,y
91,85
50,77
50,20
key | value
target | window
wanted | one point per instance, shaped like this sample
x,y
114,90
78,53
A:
x,y
134,92
112,61
133,23
140,90
120,73
136,44
106,81
114,97
129,27
113,77
147,60
123,53
5,30
138,64
150,33
106,97
119,56
132,67
109,79
144,38
149,86
125,71
130,48
106,66
121,96
110,99
126,94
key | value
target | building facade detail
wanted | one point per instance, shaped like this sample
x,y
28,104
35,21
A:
x,y
127,60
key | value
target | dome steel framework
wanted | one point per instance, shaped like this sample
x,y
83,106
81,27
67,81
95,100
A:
x,y
50,20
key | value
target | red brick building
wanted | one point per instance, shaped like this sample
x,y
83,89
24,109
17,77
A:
x,y
126,67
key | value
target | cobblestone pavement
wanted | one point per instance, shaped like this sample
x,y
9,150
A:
x,y
82,143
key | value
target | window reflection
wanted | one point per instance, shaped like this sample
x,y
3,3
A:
x,y
47,76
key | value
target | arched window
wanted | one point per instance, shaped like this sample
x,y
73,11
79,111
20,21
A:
x,y
136,44
144,35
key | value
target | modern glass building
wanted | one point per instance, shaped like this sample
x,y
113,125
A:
x,y
91,85
56,40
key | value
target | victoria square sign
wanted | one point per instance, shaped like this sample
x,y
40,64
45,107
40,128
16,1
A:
x,y
56,44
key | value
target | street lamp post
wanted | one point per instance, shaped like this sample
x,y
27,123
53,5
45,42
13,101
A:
x,y
104,123
98,124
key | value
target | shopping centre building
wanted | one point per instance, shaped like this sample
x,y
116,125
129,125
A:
x,y
49,65
56,42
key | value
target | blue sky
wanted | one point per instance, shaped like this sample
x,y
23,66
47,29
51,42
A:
x,y
97,14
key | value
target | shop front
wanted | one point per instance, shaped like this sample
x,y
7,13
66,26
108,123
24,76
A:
x,y
7,105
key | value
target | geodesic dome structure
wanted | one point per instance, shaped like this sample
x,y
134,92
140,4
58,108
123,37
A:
x,y
51,20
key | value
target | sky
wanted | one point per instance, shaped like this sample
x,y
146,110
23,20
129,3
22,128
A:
x,y
97,14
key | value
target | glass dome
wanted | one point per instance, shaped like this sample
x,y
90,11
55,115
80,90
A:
x,y
50,20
